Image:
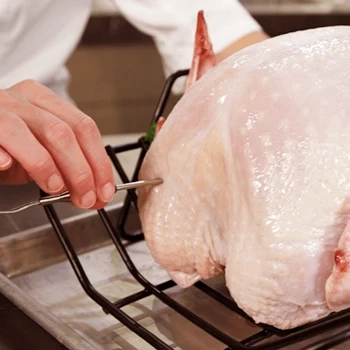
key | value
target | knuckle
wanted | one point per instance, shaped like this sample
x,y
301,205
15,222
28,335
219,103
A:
x,y
40,165
105,168
87,126
59,134
83,179
28,84
29,88
9,103
5,96
10,123
103,176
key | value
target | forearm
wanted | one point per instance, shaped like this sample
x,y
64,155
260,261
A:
x,y
241,43
172,26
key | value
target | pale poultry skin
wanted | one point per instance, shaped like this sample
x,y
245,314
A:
x,y
255,160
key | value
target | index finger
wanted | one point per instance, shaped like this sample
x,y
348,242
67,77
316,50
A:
x,y
84,128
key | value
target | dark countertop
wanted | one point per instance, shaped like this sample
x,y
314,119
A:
x,y
19,332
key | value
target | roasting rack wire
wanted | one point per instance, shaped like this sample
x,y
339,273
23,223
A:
x,y
265,338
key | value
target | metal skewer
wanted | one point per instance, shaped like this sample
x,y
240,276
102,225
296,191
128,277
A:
x,y
65,196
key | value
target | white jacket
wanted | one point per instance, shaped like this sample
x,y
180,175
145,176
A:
x,y
38,36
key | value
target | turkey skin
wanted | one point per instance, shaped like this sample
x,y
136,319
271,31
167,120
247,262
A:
x,y
255,160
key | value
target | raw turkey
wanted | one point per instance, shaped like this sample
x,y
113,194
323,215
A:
x,y
255,159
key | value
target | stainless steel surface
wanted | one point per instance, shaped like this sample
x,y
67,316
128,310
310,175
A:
x,y
42,284
138,184
36,277
20,208
52,296
57,295
18,329
65,196
57,198
62,332
38,247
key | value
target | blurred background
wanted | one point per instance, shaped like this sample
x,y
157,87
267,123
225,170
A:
x,y
116,78
117,74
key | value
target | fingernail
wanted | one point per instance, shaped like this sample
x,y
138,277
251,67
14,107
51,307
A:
x,y
108,191
5,160
88,200
55,183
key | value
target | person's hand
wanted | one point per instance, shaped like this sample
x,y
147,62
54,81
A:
x,y
47,140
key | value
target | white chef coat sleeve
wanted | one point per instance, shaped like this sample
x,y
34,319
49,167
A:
x,y
172,25
36,39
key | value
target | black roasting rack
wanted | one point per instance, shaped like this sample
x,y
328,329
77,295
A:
x,y
266,338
